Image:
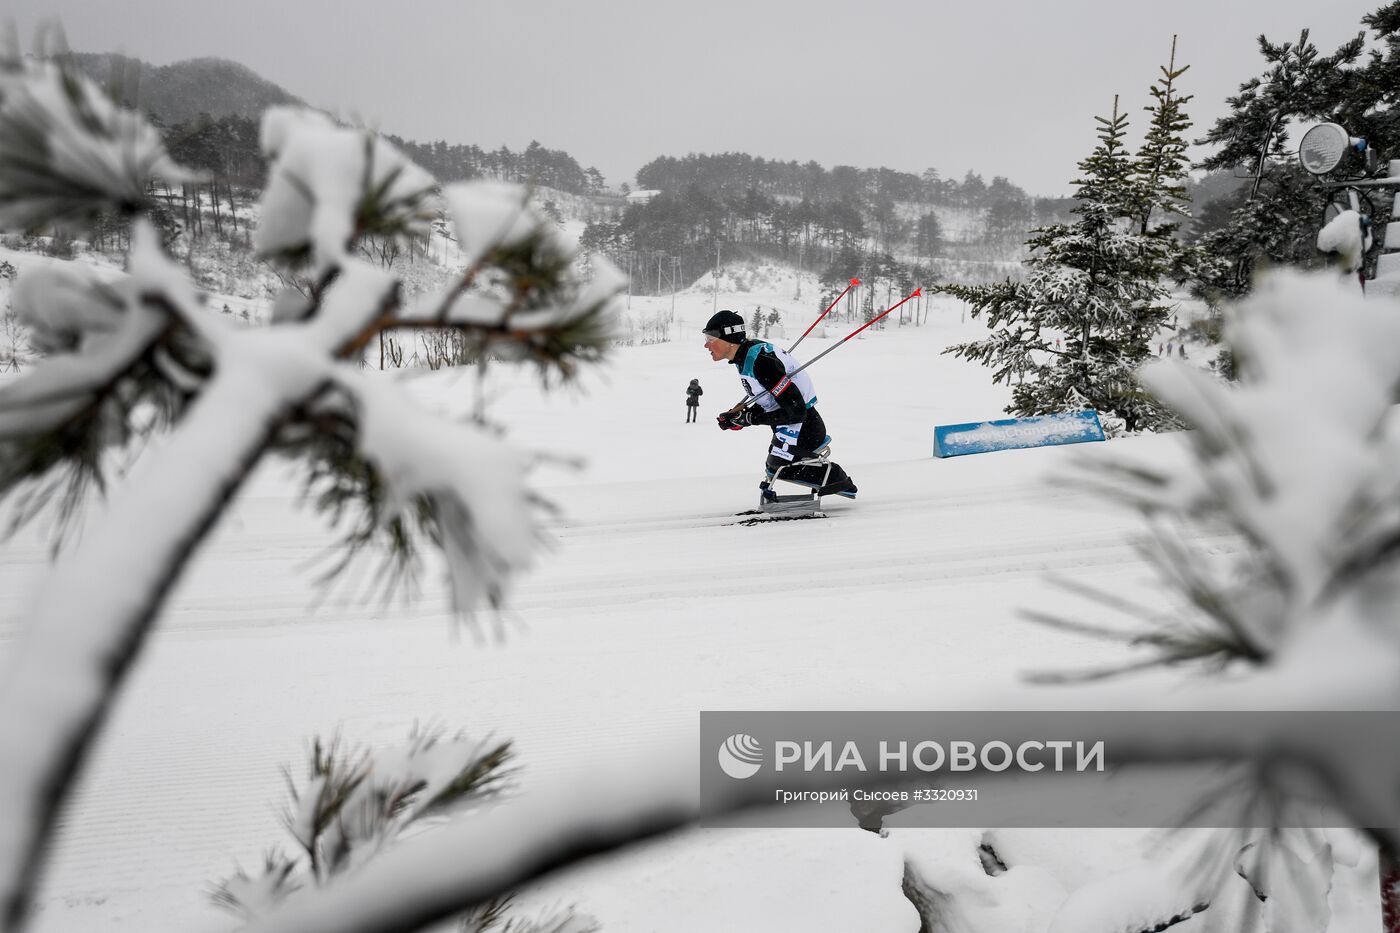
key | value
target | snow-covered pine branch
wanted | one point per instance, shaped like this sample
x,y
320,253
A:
x,y
145,344
68,151
354,803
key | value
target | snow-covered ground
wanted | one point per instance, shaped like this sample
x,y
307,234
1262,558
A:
x,y
651,607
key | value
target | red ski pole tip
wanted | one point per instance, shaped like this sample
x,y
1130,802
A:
x,y
917,293
855,281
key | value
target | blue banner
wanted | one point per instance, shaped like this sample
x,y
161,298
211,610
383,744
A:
x,y
978,437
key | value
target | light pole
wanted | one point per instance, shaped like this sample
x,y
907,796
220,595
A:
x,y
797,295
714,305
1327,149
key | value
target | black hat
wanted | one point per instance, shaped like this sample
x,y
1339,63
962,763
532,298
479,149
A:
x,y
726,325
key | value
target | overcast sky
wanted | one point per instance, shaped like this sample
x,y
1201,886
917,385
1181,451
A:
x,y
1002,88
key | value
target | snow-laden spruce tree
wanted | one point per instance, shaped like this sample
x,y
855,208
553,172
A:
x,y
140,353
1097,282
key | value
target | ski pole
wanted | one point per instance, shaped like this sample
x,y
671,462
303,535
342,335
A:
x,y
854,283
782,384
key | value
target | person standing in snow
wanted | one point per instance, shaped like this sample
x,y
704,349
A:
x,y
781,401
692,400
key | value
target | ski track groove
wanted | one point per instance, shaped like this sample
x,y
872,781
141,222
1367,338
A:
x,y
871,505
593,590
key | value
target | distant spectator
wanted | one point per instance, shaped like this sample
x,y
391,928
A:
x,y
1181,350
692,400
1159,349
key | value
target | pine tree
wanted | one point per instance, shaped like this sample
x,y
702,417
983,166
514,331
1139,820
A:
x,y
1277,224
1161,163
1367,96
1095,281
928,236
1276,227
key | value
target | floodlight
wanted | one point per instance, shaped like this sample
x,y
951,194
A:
x,y
1325,146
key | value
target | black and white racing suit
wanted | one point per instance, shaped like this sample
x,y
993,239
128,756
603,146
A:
x,y
787,404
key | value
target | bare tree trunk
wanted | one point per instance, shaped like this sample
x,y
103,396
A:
x,y
232,205
1390,893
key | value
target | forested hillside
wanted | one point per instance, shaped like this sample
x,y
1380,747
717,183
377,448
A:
x,y
868,222
207,105
181,92
692,212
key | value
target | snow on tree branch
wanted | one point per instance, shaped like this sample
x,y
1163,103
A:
x,y
354,804
490,215
469,484
101,338
69,151
329,185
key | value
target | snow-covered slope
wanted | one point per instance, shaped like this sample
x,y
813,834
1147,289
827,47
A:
x,y
652,606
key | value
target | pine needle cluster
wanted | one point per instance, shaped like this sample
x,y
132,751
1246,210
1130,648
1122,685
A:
x,y
355,803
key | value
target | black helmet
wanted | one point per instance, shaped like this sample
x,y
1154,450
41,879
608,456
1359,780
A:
x,y
725,325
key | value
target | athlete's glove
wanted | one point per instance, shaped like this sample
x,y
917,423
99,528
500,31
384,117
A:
x,y
734,420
